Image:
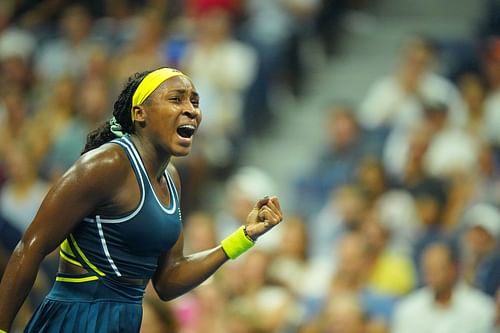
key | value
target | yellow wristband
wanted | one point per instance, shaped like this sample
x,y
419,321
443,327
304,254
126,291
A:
x,y
2,331
236,243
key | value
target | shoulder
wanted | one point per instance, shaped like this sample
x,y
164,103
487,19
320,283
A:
x,y
414,303
108,156
102,167
474,297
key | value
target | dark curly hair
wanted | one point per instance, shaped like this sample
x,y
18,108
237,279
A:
x,y
121,111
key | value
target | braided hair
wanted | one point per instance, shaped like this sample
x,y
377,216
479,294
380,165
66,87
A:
x,y
121,112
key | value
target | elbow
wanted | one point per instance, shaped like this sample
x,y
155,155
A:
x,y
164,293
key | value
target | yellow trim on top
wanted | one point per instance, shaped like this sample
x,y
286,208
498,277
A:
x,y
87,261
66,248
76,280
68,259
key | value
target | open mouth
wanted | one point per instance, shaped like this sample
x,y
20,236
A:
x,y
186,131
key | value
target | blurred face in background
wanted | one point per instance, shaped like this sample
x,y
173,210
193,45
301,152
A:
x,y
371,177
351,205
479,241
213,26
439,270
492,62
352,255
342,128
375,236
20,167
16,71
16,107
473,92
94,97
428,209
200,232
76,23
294,243
417,59
344,314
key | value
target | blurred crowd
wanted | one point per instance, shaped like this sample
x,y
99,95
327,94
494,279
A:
x,y
396,228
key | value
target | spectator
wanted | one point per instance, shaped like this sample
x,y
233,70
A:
x,y
345,212
351,277
481,246
390,272
347,145
241,189
492,103
145,49
343,314
394,100
214,49
68,54
444,304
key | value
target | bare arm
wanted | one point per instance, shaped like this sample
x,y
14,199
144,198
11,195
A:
x,y
79,191
177,274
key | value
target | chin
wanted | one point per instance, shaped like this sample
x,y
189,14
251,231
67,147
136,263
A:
x,y
181,152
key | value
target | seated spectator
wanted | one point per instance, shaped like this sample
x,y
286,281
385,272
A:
x,y
351,277
481,247
23,191
241,190
430,199
222,69
444,305
397,212
390,272
294,267
347,144
491,105
342,314
68,54
345,212
394,100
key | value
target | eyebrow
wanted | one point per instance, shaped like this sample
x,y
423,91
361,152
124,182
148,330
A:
x,y
183,91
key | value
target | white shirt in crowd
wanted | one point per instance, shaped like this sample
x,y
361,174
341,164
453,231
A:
x,y
469,311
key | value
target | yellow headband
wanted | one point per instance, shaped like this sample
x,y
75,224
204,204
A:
x,y
150,83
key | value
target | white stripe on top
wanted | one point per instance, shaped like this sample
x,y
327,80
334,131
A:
x,y
105,247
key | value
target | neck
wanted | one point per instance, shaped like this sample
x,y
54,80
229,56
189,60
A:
x,y
155,159
443,297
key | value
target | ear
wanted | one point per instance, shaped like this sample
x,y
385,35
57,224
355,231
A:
x,y
139,113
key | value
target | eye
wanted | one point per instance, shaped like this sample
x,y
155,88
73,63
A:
x,y
195,102
175,99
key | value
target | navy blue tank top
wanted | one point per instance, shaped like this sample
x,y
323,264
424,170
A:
x,y
128,245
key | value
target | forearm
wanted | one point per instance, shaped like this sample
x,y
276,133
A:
x,y
188,272
16,284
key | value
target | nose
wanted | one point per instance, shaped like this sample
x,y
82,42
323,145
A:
x,y
191,111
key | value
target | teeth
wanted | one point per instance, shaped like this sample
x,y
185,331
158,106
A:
x,y
186,131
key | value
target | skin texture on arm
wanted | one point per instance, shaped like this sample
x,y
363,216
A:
x,y
85,187
177,274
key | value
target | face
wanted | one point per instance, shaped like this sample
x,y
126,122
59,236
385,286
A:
x,y
439,272
171,116
479,241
